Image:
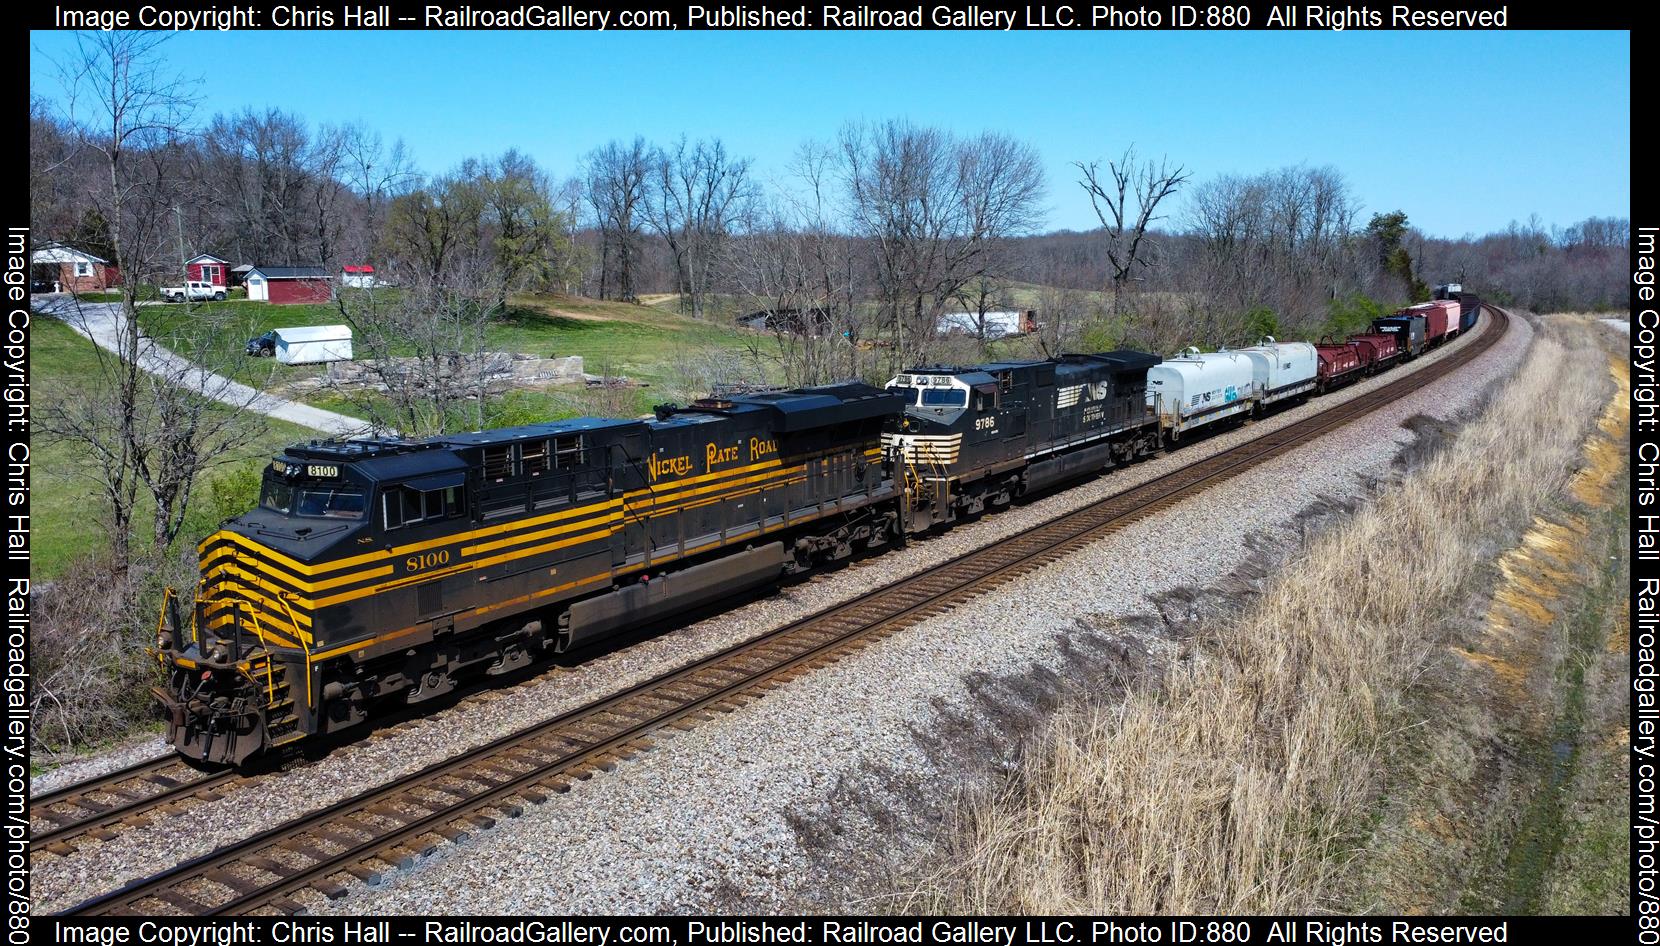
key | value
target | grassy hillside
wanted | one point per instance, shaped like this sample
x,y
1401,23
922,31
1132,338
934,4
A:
x,y
644,343
65,506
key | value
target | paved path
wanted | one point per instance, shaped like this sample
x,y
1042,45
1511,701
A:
x,y
101,322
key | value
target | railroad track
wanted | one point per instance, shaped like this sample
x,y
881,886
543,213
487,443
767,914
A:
x,y
133,795
361,838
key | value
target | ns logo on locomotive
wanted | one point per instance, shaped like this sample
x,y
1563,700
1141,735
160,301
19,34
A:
x,y
384,572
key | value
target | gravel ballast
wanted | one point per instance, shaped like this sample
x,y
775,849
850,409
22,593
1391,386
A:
x,y
741,811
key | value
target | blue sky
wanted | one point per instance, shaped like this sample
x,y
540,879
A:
x,y
1464,131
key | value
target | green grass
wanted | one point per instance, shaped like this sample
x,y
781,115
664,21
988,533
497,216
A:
x,y
65,507
643,343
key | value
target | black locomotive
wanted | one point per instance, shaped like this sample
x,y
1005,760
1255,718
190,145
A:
x,y
984,435
381,570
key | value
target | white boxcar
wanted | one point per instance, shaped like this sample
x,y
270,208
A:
x,y
314,344
1197,388
1282,369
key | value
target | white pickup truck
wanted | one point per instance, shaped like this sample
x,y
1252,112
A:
x,y
193,291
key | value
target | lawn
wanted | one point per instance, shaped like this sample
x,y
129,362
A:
x,y
644,343
64,506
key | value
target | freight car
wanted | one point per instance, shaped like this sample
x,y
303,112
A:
x,y
1281,370
1469,305
1377,350
1410,332
1440,319
1339,364
1196,389
386,571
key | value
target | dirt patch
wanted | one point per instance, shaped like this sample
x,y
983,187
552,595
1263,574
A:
x,y
578,316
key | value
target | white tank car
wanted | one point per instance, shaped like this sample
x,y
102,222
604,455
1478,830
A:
x,y
1197,388
1282,369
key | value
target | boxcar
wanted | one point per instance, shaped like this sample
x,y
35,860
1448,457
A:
x,y
1409,332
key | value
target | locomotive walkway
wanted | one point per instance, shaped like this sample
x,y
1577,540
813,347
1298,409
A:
x,y
102,323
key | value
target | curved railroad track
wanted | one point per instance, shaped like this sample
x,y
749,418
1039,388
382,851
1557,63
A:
x,y
360,838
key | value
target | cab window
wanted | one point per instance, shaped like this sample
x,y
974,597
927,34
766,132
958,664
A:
x,y
944,397
312,502
405,506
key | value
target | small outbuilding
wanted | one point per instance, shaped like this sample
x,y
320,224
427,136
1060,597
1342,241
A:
x,y
209,269
997,324
284,285
239,274
59,268
358,277
812,322
313,344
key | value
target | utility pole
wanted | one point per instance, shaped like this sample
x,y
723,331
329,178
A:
x,y
178,219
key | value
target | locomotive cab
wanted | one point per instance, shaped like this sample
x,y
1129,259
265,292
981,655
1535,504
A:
x,y
957,418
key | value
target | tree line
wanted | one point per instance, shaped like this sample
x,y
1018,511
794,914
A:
x,y
867,237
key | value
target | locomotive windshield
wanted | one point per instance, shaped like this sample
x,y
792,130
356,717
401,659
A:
x,y
944,397
931,395
316,502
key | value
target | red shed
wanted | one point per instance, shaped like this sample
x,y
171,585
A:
x,y
282,285
209,269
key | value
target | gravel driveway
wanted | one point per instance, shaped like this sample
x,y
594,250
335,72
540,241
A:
x,y
102,323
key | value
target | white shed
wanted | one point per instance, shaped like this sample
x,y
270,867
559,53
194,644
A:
x,y
314,344
997,324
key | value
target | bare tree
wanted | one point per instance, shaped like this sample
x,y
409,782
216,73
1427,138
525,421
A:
x,y
617,178
1126,202
698,191
377,175
126,110
423,348
1283,240
934,207
804,278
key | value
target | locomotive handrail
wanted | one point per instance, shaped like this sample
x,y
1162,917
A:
x,y
299,636
270,681
167,597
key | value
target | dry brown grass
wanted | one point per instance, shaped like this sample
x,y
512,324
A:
x,y
1241,783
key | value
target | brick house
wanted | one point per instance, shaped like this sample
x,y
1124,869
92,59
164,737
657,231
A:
x,y
71,270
